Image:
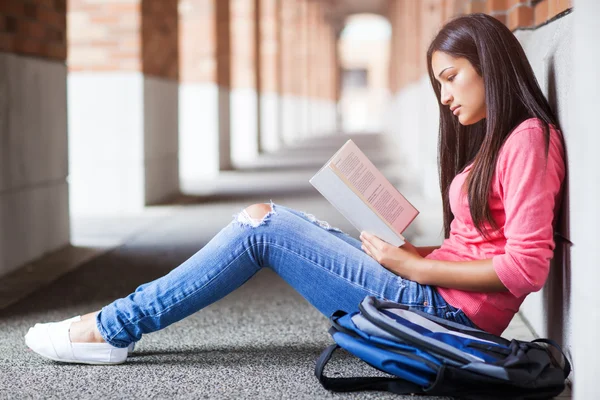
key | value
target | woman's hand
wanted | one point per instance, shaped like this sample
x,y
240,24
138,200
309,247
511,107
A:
x,y
403,261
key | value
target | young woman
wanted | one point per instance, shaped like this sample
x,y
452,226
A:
x,y
501,163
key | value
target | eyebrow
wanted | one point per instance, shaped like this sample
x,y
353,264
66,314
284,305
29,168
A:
x,y
440,74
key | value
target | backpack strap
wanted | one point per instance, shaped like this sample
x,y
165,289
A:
x,y
567,367
455,326
393,385
451,325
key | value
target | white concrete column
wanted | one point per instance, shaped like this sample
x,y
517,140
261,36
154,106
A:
x,y
270,75
244,99
122,141
204,95
290,101
34,204
123,105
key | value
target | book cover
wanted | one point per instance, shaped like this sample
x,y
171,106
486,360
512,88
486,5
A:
x,y
352,184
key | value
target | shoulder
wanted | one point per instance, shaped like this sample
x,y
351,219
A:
x,y
529,138
524,152
530,130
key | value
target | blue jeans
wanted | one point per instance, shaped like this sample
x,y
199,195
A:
x,y
326,266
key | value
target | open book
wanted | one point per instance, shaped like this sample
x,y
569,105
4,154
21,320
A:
x,y
359,191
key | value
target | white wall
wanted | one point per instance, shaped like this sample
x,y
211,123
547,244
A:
x,y
322,117
325,115
34,217
584,175
291,117
549,50
122,141
270,122
244,126
106,143
198,130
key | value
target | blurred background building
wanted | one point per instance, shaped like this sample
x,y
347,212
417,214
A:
x,y
109,107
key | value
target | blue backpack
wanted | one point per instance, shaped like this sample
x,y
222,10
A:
x,y
432,356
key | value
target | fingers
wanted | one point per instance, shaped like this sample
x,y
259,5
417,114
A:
x,y
366,250
367,237
376,243
367,245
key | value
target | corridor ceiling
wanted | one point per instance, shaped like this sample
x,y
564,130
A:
x,y
338,10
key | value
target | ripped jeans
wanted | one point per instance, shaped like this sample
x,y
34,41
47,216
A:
x,y
326,266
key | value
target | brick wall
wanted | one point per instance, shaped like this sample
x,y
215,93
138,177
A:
x,y
413,26
242,44
34,28
515,13
197,58
269,48
325,57
415,23
312,57
529,13
223,43
299,86
124,35
307,50
160,50
289,44
104,36
321,53
331,63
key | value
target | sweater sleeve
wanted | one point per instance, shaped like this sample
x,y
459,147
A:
x,y
529,183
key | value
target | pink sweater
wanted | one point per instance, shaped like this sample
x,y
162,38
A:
x,y
523,202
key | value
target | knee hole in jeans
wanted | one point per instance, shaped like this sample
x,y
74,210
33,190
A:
x,y
256,214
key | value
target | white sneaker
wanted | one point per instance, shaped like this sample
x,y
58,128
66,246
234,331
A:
x,y
52,341
77,318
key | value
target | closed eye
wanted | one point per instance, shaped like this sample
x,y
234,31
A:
x,y
451,78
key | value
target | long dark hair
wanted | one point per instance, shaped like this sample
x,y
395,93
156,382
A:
x,y
512,95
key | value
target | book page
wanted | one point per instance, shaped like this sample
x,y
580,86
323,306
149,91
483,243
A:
x,y
353,166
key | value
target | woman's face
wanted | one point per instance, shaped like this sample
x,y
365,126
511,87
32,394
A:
x,y
462,88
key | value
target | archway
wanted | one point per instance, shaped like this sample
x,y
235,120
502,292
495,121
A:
x,y
364,58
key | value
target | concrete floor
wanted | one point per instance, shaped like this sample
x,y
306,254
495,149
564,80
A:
x,y
261,341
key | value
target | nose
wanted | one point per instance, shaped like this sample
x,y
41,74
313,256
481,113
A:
x,y
445,96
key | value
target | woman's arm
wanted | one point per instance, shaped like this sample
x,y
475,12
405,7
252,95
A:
x,y
405,261
424,251
477,276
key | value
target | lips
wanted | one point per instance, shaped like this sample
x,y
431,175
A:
x,y
455,109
